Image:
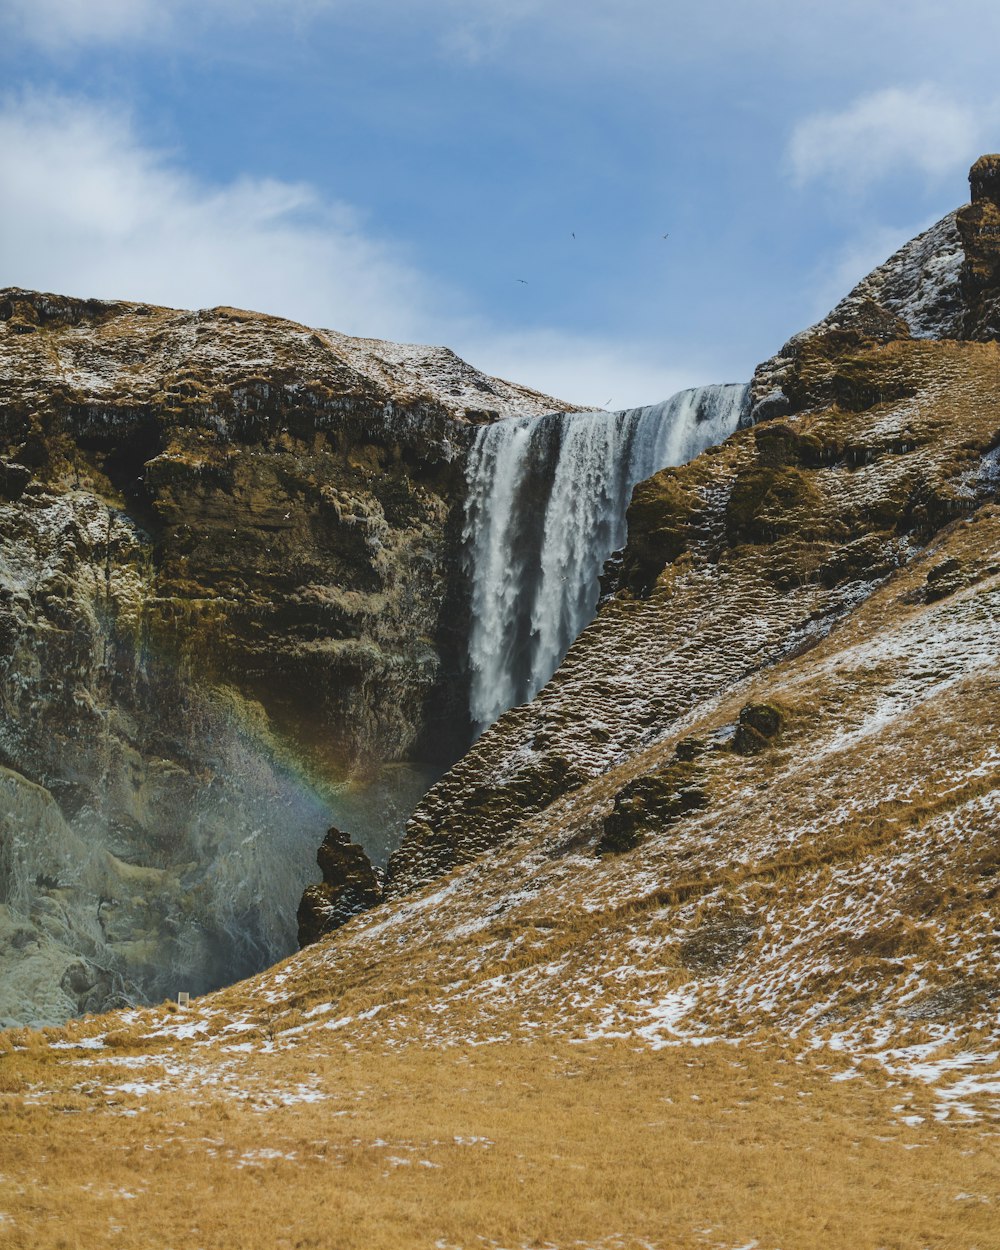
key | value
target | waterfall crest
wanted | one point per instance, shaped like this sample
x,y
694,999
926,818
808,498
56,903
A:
x,y
546,507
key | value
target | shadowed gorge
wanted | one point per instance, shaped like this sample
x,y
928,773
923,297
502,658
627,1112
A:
x,y
232,613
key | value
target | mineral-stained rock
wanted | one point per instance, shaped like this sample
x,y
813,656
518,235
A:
x,y
350,885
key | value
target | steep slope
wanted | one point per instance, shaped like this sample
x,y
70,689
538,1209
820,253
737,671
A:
x,y
754,550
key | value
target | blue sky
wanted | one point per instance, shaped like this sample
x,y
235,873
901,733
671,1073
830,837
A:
x,y
393,168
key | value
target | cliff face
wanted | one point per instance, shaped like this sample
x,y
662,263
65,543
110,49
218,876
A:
x,y
875,431
230,615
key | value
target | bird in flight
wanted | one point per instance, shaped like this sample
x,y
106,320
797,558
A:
x,y
523,280
666,236
573,232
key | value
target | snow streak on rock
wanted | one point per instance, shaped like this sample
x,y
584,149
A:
x,y
546,507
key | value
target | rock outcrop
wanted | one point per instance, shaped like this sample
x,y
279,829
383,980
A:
x,y
231,617
979,227
350,885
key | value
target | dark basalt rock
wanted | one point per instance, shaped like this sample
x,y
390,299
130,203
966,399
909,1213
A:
x,y
350,885
652,802
944,579
979,226
984,179
759,726
13,479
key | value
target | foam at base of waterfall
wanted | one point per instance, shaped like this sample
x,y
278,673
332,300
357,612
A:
x,y
546,505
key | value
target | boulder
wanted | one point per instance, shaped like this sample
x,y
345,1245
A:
x,y
759,727
652,802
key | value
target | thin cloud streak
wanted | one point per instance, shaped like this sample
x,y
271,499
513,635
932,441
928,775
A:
x,y
523,34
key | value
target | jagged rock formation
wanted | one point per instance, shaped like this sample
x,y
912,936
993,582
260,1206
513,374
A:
x,y
229,615
979,227
758,548
350,885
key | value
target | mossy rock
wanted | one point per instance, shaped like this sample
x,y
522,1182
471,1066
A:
x,y
768,503
780,446
984,178
529,790
869,558
849,368
944,579
759,726
661,517
652,802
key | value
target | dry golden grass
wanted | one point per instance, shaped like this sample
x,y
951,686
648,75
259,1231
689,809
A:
x,y
504,1145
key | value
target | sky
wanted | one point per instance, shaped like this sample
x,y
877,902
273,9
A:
x,y
606,201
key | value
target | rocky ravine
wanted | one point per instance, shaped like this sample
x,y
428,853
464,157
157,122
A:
x,y
230,617
759,800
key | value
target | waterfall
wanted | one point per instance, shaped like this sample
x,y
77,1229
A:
x,y
546,505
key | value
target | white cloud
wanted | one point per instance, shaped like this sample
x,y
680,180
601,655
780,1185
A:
x,y
919,128
57,23
89,210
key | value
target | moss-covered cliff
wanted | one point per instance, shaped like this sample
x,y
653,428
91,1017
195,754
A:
x,y
231,615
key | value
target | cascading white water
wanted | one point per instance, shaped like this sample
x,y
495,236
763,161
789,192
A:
x,y
546,507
